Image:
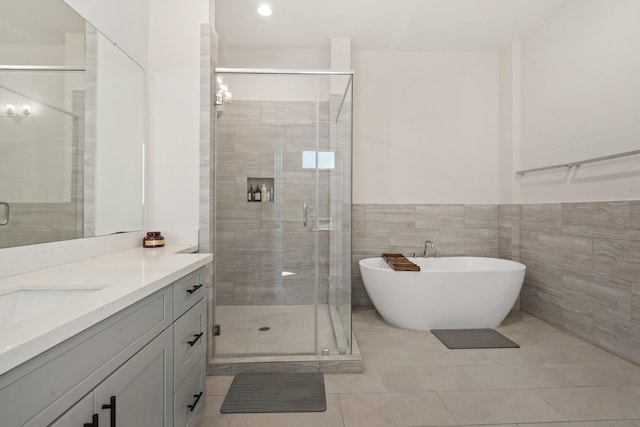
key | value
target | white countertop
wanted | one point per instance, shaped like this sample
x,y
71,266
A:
x,y
123,278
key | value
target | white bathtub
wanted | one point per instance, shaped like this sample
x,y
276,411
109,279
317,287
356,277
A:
x,y
448,292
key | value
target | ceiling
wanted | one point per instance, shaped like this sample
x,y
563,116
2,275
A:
x,y
463,25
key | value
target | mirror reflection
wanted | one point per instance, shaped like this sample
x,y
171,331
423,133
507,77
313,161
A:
x,y
71,128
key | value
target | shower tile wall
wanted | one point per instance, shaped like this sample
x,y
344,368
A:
x,y
33,223
253,245
583,270
454,229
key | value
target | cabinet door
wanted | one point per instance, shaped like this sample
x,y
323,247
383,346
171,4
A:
x,y
139,393
80,414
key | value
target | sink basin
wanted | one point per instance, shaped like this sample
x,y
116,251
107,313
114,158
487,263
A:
x,y
24,303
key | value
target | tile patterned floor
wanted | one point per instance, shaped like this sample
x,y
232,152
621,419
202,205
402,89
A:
x,y
411,379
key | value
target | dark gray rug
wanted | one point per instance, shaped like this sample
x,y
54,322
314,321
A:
x,y
258,393
473,338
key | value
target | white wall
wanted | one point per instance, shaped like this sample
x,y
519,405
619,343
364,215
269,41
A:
x,y
581,99
510,119
425,127
119,134
172,176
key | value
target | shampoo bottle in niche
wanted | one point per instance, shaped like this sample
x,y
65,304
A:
x,y
263,191
250,194
256,195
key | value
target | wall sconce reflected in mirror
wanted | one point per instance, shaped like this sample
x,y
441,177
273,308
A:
x,y
12,111
223,93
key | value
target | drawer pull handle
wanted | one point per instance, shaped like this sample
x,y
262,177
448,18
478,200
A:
x,y
195,402
195,288
93,423
112,407
195,340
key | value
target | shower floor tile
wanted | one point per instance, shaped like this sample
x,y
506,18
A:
x,y
291,330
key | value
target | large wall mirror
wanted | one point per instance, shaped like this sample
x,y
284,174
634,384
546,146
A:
x,y
71,128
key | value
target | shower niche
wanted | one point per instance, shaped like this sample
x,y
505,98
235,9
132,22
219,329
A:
x,y
283,273
261,190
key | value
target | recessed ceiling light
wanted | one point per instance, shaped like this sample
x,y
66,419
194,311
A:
x,y
264,10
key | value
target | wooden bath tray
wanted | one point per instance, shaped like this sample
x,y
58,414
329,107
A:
x,y
399,262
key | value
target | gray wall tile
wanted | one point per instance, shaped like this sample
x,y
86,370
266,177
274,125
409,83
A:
x,y
481,216
601,219
635,303
617,258
541,217
619,336
600,293
439,216
635,219
566,315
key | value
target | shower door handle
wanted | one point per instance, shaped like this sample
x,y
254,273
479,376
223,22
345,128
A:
x,y
6,215
304,214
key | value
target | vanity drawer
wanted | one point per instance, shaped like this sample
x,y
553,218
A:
x,y
189,340
187,291
189,398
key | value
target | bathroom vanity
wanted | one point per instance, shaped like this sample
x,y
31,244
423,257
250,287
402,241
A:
x,y
116,340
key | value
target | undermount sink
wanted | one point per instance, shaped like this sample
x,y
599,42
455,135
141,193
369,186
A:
x,y
24,303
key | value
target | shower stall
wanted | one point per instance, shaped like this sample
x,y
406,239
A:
x,y
282,213
42,112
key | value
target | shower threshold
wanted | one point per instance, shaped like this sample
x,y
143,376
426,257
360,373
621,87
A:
x,y
331,364
273,339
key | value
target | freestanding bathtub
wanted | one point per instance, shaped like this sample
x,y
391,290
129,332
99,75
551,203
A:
x,y
447,293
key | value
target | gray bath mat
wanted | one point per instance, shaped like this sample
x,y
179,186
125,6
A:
x,y
473,338
258,393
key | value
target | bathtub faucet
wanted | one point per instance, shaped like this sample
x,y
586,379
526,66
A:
x,y
428,244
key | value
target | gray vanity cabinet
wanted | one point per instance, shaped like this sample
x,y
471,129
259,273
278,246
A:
x,y
148,359
137,392
80,414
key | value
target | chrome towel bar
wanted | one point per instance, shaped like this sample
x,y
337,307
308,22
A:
x,y
580,162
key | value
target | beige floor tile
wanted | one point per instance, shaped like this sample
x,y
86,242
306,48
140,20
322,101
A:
x,y
382,356
367,382
582,424
218,385
331,417
514,376
635,422
519,321
597,374
594,403
426,378
498,406
442,356
394,337
551,353
394,410
544,336
212,416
